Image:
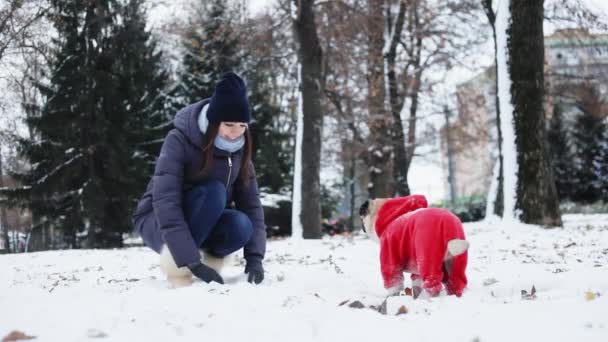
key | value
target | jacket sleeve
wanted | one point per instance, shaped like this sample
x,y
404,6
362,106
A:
x,y
167,201
247,200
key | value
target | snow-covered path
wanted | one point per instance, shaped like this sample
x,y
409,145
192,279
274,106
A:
x,y
120,295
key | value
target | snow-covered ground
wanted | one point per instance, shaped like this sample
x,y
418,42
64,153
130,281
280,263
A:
x,y
120,295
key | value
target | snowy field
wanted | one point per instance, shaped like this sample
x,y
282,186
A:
x,y
120,295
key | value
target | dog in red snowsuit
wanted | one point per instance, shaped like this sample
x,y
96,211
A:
x,y
427,242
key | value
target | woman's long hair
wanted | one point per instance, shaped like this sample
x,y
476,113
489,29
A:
x,y
212,132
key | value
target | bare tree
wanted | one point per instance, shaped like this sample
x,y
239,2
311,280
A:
x,y
311,60
424,36
380,123
17,17
21,38
18,37
3,215
498,201
342,30
536,193
400,162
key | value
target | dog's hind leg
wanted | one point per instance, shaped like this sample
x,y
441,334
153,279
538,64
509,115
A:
x,y
455,277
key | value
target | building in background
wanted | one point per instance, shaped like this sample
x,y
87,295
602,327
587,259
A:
x,y
472,137
576,68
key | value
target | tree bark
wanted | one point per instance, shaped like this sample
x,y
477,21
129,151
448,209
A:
x,y
536,193
311,59
450,152
3,215
380,122
498,201
396,103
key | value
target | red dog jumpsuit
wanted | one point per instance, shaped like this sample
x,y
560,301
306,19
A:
x,y
413,238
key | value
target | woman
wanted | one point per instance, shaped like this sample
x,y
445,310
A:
x,y
205,165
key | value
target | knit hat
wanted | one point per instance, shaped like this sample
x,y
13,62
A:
x,y
229,101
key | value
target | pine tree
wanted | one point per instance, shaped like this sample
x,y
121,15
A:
x,y
87,156
272,153
561,156
211,48
141,112
586,139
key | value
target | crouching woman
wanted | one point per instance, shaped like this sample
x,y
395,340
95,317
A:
x,y
203,168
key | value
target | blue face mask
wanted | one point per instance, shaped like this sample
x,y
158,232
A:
x,y
229,145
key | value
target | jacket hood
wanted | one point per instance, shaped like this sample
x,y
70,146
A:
x,y
186,121
395,207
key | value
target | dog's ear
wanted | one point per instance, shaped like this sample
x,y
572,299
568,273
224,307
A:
x,y
364,209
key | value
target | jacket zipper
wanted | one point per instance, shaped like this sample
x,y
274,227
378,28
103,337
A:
x,y
229,171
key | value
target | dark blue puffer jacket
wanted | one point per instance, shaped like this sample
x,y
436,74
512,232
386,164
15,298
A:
x,y
177,170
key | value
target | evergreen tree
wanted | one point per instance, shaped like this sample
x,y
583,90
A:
x,y
586,139
142,113
88,156
601,162
561,156
211,47
272,153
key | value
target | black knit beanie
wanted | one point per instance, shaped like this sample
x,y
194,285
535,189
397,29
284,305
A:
x,y
229,101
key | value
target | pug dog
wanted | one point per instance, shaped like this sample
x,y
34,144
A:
x,y
428,243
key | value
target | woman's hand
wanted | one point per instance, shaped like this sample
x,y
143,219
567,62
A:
x,y
255,270
205,273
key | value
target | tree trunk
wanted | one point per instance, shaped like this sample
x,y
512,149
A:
x,y
413,90
3,215
410,146
536,193
380,122
311,57
450,152
498,201
396,103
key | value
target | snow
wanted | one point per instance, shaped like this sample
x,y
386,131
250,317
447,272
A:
x,y
493,191
296,220
120,294
272,200
56,169
258,6
510,167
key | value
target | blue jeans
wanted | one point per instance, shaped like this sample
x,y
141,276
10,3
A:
x,y
215,229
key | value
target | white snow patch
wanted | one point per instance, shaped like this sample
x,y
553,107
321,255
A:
x,y
122,294
272,200
296,220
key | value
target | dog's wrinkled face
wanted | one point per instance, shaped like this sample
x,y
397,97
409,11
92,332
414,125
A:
x,y
368,212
